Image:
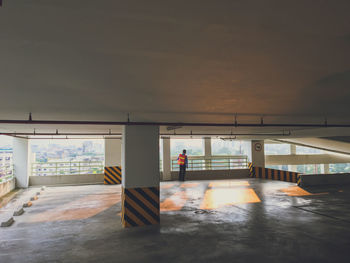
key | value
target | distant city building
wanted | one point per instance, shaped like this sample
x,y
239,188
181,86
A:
x,y
87,147
60,158
6,163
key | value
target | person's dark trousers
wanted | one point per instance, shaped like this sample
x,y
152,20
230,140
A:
x,y
182,172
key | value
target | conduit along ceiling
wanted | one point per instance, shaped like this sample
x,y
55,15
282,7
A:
x,y
102,131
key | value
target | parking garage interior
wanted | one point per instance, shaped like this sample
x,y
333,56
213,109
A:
x,y
99,98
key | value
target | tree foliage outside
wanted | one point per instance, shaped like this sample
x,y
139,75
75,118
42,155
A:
x,y
339,168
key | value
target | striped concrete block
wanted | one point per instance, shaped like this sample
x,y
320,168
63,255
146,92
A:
x,y
28,204
18,212
7,223
273,174
298,180
113,175
251,170
140,206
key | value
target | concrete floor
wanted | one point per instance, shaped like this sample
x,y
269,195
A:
x,y
208,221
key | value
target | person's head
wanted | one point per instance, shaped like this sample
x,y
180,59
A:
x,y
183,151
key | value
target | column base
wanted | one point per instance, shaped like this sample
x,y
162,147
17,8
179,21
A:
x,y
140,206
113,175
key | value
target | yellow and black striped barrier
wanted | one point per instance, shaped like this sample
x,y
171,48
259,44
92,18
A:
x,y
273,174
251,170
113,175
140,206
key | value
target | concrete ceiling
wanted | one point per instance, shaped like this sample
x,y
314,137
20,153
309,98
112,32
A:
x,y
188,61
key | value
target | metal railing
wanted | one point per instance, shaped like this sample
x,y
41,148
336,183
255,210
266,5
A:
x,y
67,168
213,163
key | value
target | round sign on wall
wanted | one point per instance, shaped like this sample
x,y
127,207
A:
x,y
258,146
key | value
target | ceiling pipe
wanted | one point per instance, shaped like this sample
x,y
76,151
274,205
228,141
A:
x,y
197,124
226,134
57,134
19,134
75,138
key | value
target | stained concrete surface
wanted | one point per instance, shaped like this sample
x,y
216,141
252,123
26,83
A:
x,y
246,220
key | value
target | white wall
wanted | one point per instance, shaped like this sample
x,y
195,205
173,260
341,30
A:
x,y
76,179
213,174
113,152
140,156
21,162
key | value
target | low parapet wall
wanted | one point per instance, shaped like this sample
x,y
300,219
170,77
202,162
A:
x,y
77,179
6,187
324,179
212,174
273,174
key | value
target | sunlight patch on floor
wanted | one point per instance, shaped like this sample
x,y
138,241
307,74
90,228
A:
x,y
81,208
295,191
216,198
228,184
175,202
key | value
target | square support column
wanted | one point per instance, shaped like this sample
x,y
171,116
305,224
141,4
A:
x,y
140,175
207,153
166,159
293,151
21,163
113,152
258,153
113,159
326,168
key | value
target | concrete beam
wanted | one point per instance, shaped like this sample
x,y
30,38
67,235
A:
x,y
322,144
306,159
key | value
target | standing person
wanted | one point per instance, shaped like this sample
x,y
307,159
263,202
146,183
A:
x,y
182,161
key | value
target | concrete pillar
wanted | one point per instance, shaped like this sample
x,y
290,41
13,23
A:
x,y
207,152
326,168
113,152
258,154
140,175
293,151
166,159
21,163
